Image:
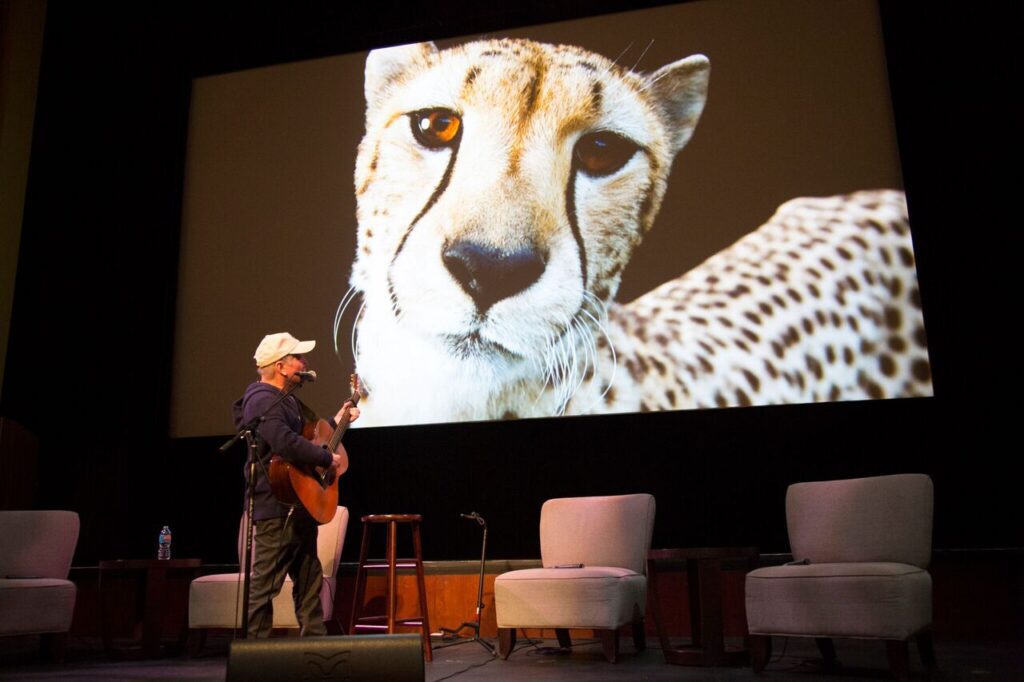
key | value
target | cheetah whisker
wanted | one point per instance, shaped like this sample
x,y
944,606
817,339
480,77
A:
x,y
588,360
602,327
544,364
615,61
574,376
354,341
555,367
568,357
638,60
346,300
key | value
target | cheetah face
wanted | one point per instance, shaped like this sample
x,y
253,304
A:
x,y
502,187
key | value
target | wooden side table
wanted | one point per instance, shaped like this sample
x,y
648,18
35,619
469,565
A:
x,y
156,576
704,579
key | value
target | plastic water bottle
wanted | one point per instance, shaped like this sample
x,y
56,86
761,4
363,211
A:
x,y
164,546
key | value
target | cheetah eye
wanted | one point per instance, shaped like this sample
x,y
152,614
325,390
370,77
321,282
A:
x,y
602,153
435,128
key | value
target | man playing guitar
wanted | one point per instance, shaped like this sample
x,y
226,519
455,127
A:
x,y
285,542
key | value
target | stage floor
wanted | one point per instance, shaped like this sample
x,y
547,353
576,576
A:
x,y
540,661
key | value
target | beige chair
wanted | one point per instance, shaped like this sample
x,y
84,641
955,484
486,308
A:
x,y
861,548
36,548
215,601
594,553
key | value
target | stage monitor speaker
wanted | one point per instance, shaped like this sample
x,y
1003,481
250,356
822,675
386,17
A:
x,y
366,658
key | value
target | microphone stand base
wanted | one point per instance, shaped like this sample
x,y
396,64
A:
x,y
451,637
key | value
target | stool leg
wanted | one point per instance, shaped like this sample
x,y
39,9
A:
x,y
392,576
422,587
357,601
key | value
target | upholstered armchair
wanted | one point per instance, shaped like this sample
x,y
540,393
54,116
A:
x,y
594,554
861,548
36,548
215,601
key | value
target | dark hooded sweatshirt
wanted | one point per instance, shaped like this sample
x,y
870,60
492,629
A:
x,y
280,432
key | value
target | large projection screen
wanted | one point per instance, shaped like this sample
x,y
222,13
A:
x,y
504,188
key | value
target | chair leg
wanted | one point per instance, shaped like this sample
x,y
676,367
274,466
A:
x,y
610,644
899,658
639,635
828,651
506,642
196,642
52,646
926,648
760,651
564,640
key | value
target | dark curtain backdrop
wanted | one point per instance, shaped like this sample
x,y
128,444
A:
x,y
90,351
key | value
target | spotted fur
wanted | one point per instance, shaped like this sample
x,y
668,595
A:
x,y
493,236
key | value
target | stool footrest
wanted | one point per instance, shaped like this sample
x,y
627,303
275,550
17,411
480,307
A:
x,y
401,563
410,620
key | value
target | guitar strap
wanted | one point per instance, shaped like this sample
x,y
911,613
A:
x,y
308,414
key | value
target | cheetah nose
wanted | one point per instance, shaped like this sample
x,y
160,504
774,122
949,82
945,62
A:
x,y
490,274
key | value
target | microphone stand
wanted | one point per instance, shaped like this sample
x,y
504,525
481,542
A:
x,y
248,432
449,633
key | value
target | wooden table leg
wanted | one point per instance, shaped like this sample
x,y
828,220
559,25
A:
x,y
152,619
652,580
710,588
704,577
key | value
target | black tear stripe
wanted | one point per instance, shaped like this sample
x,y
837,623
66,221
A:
x,y
570,193
438,191
570,209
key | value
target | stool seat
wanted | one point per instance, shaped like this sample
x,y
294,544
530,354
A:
x,y
397,518
390,564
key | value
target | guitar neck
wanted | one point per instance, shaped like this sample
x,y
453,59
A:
x,y
342,427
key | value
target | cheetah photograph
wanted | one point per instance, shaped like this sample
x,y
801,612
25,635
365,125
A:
x,y
563,220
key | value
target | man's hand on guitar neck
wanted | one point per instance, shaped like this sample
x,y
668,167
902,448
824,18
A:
x,y
353,412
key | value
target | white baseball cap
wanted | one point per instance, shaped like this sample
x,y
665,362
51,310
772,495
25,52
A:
x,y
273,347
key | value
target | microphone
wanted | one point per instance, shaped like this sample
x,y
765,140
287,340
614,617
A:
x,y
474,517
305,375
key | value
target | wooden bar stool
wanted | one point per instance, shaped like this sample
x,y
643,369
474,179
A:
x,y
390,564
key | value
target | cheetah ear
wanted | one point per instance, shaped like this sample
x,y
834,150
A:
x,y
681,88
387,65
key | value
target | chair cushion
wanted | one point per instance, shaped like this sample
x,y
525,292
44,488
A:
x,y
36,606
871,600
215,601
590,597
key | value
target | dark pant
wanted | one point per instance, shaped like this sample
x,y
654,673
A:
x,y
286,546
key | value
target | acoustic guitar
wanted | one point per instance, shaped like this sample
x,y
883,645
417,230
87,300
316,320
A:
x,y
315,487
